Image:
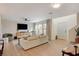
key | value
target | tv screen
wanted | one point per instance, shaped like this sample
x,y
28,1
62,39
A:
x,y
21,26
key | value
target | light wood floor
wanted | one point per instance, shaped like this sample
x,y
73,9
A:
x,y
53,48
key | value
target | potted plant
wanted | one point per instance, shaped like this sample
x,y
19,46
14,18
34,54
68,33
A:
x,y
77,35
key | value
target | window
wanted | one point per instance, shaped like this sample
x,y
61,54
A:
x,y
40,29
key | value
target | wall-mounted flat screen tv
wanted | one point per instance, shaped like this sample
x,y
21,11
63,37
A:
x,y
22,26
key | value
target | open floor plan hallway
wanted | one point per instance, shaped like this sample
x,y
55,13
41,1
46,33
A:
x,y
52,48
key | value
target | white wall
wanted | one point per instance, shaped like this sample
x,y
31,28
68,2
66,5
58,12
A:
x,y
71,31
71,35
9,26
71,21
0,28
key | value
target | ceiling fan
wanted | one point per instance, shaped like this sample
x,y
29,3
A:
x,y
25,19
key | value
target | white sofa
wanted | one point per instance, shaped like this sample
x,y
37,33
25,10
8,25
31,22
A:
x,y
33,41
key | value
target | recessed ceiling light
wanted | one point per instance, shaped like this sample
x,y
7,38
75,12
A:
x,y
56,5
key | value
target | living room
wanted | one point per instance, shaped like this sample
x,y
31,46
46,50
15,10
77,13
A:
x,y
38,29
23,30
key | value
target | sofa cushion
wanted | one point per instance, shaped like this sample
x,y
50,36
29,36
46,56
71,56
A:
x,y
25,38
33,38
42,36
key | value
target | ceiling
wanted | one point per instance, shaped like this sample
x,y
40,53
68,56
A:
x,y
35,11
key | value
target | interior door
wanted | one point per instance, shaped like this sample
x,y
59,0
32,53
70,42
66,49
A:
x,y
62,30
